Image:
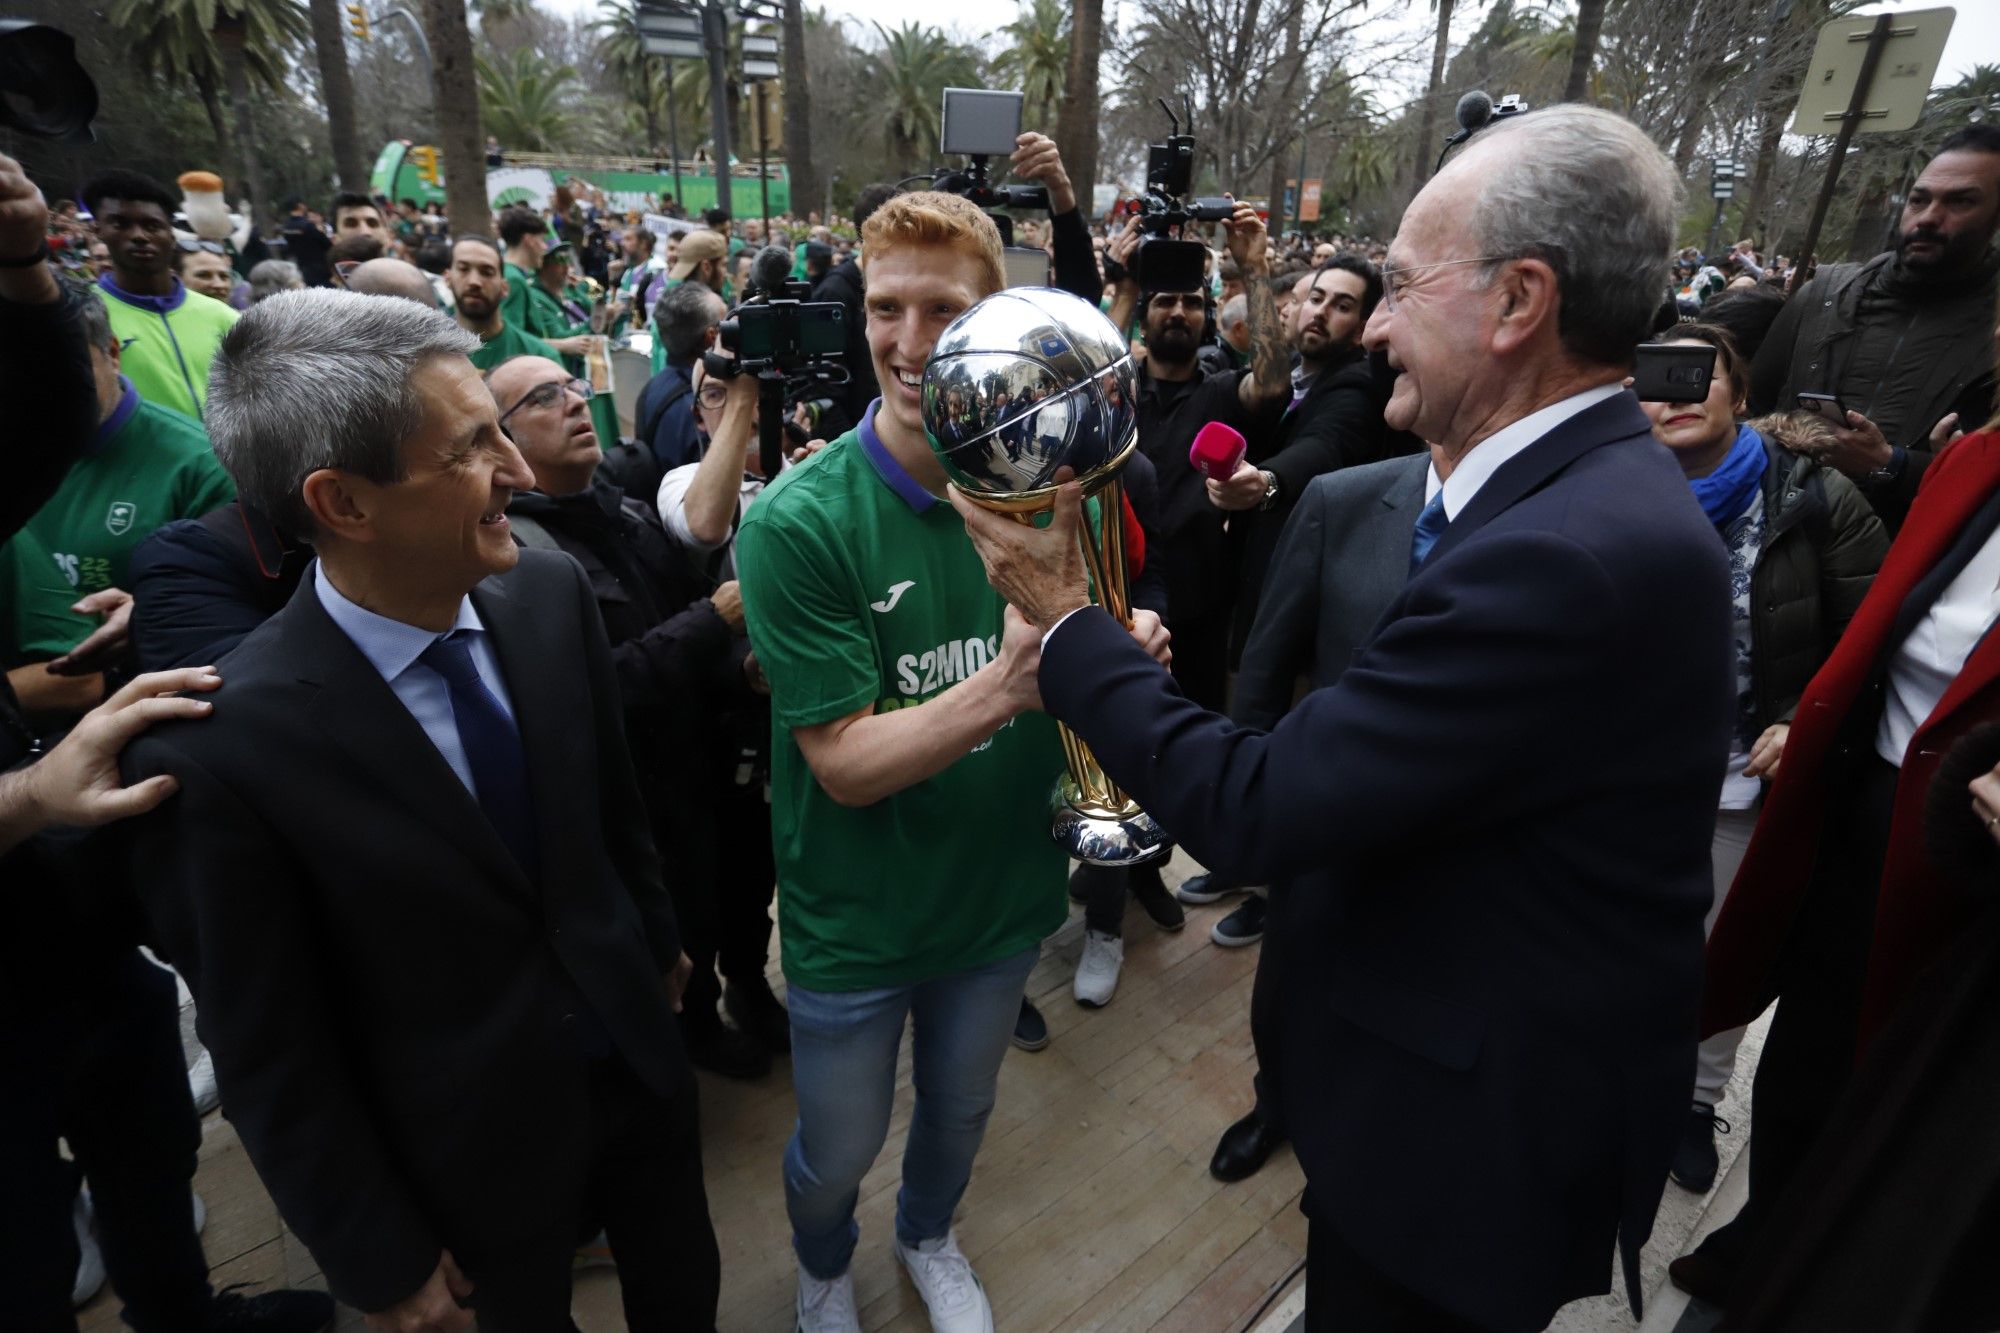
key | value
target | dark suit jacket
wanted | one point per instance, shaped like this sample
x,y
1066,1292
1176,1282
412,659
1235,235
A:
x,y
1344,556
401,1019
1491,839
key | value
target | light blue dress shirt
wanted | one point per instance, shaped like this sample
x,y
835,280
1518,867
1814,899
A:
x,y
393,647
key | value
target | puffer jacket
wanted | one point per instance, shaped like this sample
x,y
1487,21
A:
x,y
1822,546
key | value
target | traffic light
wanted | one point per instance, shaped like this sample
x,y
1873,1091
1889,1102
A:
x,y
357,21
426,159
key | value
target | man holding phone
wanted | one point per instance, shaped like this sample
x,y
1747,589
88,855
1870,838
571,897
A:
x,y
1894,353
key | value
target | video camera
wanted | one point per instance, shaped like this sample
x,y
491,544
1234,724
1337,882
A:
x,y
43,90
786,339
1164,261
979,124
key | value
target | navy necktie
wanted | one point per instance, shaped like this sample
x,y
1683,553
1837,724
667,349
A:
x,y
492,747
1431,524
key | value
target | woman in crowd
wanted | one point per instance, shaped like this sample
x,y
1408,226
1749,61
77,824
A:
x,y
1803,547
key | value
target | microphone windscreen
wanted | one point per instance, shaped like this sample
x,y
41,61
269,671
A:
x,y
771,270
1474,109
1217,450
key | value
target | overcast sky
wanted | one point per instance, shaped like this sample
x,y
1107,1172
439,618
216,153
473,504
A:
x,y
1975,33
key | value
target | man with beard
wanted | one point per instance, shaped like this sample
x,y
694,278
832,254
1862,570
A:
x,y
478,286
1176,400
1906,339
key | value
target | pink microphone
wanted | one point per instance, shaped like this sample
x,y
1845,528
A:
x,y
1216,451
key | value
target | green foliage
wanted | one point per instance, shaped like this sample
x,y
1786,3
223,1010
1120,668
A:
x,y
911,71
172,38
1035,60
527,101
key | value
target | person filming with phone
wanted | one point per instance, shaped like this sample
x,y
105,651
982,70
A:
x,y
1895,353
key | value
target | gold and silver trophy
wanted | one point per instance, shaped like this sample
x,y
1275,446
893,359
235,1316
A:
x,y
1026,382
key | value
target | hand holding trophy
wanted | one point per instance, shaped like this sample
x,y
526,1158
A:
x,y
1028,384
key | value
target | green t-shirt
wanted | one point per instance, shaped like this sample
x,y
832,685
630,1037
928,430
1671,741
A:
x,y
858,598
518,305
168,344
152,466
509,343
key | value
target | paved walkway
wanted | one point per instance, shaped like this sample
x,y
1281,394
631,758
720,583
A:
x,y
1091,1207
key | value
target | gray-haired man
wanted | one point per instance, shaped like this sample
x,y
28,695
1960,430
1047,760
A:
x,y
408,876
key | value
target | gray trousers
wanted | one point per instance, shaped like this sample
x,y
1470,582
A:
x,y
1717,1059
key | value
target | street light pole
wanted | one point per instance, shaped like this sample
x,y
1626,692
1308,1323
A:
x,y
674,135
715,33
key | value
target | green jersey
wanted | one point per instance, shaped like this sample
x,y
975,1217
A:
x,y
509,343
148,466
517,306
168,342
863,592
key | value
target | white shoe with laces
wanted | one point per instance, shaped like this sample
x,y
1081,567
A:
x,y
827,1306
951,1290
1097,971
201,1083
89,1258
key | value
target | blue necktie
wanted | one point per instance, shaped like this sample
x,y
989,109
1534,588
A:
x,y
492,747
1431,524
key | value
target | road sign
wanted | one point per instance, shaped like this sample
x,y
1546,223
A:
x,y
1894,98
760,57
677,36
1722,180
1309,204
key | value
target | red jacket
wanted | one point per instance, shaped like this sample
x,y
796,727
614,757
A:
x,y
1918,910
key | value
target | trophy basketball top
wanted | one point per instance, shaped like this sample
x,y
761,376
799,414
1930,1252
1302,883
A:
x,y
1027,381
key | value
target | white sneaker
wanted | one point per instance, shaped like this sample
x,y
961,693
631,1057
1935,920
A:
x,y
827,1307
1097,970
201,1082
951,1290
90,1259
200,1214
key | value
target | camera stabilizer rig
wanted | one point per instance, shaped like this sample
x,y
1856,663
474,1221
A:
x,y
974,185
1165,261
787,342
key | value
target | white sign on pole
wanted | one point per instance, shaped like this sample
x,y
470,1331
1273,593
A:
x,y
1902,76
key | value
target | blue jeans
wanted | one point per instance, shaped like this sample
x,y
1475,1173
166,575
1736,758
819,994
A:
x,y
844,1075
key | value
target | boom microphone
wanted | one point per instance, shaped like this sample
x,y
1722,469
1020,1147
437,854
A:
x,y
770,271
1475,109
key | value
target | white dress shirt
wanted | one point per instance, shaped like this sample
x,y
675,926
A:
x,y
393,647
1938,645
1487,457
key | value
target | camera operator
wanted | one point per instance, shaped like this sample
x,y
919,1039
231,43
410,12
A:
x,y
1175,400
673,645
1073,261
845,284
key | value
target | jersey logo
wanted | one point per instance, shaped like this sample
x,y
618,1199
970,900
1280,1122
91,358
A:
x,y
895,595
119,519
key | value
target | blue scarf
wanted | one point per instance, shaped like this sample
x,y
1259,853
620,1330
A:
x,y
1725,493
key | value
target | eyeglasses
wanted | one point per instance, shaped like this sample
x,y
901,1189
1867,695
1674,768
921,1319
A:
x,y
343,267
195,246
1392,278
713,395
545,395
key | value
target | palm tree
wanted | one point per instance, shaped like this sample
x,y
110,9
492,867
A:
x,y
803,166
455,93
1364,167
336,84
621,48
1076,123
1427,134
526,102
912,70
178,41
1589,23
1037,58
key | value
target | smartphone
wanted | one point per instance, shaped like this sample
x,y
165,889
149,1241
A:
x,y
979,122
1826,406
1672,372
1025,266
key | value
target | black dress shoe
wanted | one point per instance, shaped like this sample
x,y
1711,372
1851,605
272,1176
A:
x,y
1031,1030
1155,901
758,1012
282,1311
1703,1277
1244,1148
724,1050
1695,1161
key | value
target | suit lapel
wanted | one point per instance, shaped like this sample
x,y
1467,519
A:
x,y
551,712
1612,421
1394,520
358,711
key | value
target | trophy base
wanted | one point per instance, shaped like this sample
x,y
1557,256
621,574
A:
x,y
1105,836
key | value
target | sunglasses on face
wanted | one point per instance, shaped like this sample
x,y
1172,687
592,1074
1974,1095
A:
x,y
198,246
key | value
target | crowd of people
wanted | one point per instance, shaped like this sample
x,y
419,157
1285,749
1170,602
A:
x,y
458,741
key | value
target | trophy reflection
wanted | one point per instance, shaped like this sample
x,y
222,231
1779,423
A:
x,y
1026,382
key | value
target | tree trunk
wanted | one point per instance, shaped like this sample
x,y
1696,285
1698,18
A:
x,y
1690,138
337,86
1760,177
228,34
455,91
800,163
211,102
1427,131
1294,33
1076,120
1589,23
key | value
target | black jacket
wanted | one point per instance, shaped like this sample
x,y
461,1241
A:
x,y
55,415
403,1020
199,585
846,285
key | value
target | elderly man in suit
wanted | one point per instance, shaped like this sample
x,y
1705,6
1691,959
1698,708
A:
x,y
408,875
1486,1069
